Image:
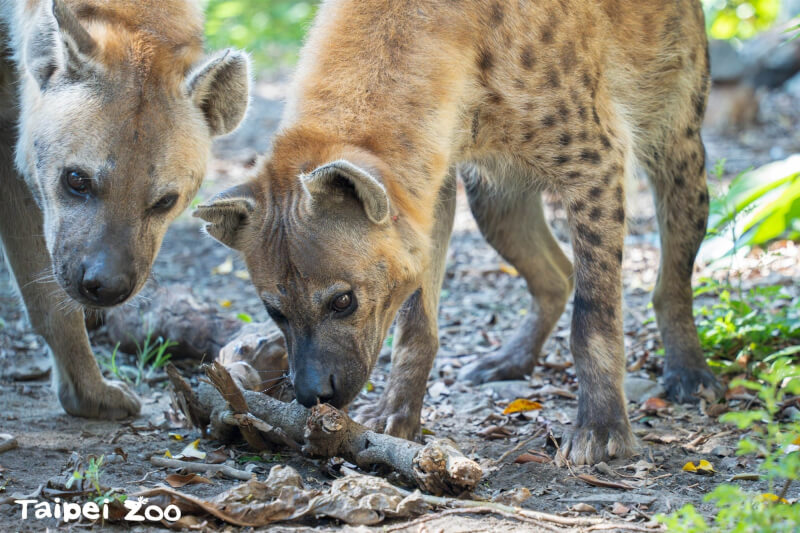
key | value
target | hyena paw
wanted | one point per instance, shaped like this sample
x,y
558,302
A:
x,y
589,446
398,422
111,400
682,383
497,366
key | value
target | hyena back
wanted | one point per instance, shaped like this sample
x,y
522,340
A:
x,y
347,221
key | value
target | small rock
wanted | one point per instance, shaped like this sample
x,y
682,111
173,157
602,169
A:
x,y
583,508
722,451
438,389
638,389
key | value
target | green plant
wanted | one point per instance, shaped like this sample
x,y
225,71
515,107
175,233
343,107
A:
x,y
776,441
91,474
110,364
727,19
743,327
151,355
271,30
759,206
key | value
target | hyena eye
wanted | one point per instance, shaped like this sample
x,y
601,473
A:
x,y
165,203
344,303
76,182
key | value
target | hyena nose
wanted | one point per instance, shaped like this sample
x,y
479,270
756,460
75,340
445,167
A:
x,y
312,388
105,286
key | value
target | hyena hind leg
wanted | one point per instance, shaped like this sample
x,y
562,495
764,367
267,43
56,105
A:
x,y
681,196
514,224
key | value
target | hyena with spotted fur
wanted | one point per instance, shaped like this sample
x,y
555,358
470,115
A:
x,y
109,110
347,220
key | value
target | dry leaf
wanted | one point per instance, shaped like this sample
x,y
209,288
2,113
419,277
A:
x,y
520,405
508,269
597,482
179,480
661,438
703,467
513,497
583,508
355,499
224,268
771,498
218,456
175,436
225,303
654,404
496,432
619,509
531,458
192,451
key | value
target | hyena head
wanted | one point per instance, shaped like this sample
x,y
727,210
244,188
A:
x,y
329,260
118,113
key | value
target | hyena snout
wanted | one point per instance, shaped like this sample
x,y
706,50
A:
x,y
106,278
326,378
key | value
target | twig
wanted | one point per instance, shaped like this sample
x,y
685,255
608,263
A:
x,y
784,490
516,448
202,467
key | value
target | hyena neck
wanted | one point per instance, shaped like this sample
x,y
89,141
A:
x,y
392,85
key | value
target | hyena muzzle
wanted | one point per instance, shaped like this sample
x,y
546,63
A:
x,y
346,224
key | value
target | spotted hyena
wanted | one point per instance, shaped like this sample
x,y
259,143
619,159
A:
x,y
108,108
346,224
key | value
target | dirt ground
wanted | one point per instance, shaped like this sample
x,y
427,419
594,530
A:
x,y
482,302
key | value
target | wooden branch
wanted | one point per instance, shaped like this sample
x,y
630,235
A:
x,y
437,467
202,468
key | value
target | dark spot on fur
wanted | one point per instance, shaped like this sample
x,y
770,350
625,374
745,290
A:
x,y
578,206
563,111
701,224
494,98
619,215
586,79
703,197
547,36
475,125
564,139
485,60
590,236
605,142
679,181
526,57
590,156
519,84
583,136
619,193
561,159
497,13
573,175
595,116
682,166
596,192
549,120
699,103
690,132
582,112
619,255
568,57
553,79
151,170
596,213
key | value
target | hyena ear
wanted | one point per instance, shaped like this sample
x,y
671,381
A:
x,y
228,214
60,41
341,176
220,87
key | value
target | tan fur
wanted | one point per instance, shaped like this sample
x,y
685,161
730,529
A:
x,y
570,95
113,91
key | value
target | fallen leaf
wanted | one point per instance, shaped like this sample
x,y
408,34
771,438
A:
x,y
119,451
619,509
505,268
192,450
531,458
179,480
597,482
771,498
661,438
703,467
654,404
225,303
218,456
496,432
242,274
426,431
224,268
167,454
176,436
583,508
520,405
513,496
746,476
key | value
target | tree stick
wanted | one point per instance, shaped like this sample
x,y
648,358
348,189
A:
x,y
437,467
202,467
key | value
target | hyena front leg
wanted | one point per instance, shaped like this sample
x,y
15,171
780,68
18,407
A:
x,y
514,224
416,337
81,388
597,226
681,194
